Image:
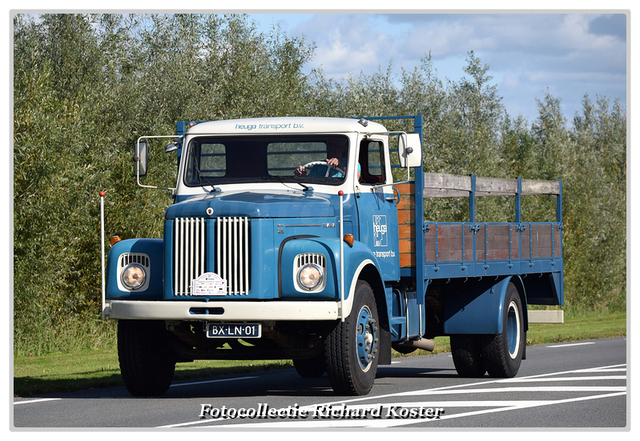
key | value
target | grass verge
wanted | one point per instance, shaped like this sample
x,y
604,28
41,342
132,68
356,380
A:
x,y
99,368
62,372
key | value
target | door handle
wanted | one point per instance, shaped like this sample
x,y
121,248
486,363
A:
x,y
395,198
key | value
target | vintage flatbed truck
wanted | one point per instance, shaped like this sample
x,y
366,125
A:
x,y
288,238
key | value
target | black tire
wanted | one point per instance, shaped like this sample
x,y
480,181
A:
x,y
502,353
146,362
466,351
310,367
351,349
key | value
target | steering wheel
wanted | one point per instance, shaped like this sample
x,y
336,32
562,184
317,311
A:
x,y
314,163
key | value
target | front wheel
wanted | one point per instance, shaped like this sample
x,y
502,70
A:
x,y
502,353
351,349
310,367
146,363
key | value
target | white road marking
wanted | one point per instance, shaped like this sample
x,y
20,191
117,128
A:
x,y
612,368
522,389
572,344
494,406
605,377
173,385
386,423
36,401
212,381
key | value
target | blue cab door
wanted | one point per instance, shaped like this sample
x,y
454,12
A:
x,y
377,213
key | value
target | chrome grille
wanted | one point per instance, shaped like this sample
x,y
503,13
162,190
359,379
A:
x,y
232,253
232,259
189,257
139,258
315,258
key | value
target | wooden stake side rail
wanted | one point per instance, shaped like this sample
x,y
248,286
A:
x,y
486,249
470,249
439,185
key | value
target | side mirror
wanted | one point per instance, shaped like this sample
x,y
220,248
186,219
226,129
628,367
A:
x,y
410,150
141,158
173,146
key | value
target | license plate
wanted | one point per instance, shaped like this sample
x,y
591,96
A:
x,y
234,330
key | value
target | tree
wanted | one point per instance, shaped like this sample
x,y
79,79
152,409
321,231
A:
x,y
595,233
85,88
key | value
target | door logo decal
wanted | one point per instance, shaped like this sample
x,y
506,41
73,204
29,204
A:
x,y
380,230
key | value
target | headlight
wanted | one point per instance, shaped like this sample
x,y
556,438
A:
x,y
310,276
133,276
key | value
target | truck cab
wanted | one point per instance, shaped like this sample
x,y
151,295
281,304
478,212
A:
x,y
282,229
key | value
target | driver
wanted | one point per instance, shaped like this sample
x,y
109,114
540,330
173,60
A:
x,y
336,162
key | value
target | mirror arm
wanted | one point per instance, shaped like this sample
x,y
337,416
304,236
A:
x,y
138,159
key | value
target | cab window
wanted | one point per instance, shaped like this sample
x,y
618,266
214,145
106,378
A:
x,y
372,162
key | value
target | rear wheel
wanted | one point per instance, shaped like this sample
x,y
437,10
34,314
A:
x,y
351,348
466,351
146,362
502,354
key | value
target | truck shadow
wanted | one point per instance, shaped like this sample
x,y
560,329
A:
x,y
287,382
277,382
408,372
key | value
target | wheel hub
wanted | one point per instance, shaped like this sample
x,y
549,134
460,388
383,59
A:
x,y
366,338
513,330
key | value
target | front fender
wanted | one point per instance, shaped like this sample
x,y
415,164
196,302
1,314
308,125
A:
x,y
355,258
149,253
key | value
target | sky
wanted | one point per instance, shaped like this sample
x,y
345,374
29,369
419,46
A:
x,y
568,54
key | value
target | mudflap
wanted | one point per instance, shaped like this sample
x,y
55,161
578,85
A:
x,y
384,348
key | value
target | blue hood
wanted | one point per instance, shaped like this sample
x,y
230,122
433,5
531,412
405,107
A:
x,y
255,205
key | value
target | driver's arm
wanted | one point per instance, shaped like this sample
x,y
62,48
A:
x,y
300,171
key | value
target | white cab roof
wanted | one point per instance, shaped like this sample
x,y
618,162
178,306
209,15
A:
x,y
288,125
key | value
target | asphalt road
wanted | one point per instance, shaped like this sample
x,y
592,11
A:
x,y
566,385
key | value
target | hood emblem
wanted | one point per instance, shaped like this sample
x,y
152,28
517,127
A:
x,y
209,211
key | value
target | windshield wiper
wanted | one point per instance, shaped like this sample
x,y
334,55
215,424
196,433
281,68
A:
x,y
280,180
305,187
199,173
207,182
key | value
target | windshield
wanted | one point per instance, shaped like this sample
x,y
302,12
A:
x,y
309,159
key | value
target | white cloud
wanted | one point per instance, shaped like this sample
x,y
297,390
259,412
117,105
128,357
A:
x,y
578,35
528,53
347,43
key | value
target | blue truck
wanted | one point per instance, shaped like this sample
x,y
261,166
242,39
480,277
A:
x,y
289,238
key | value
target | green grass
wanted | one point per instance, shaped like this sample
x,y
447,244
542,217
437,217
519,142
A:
x,y
98,368
588,326
578,328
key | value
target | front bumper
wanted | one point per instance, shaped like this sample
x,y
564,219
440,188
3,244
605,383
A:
x,y
222,311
